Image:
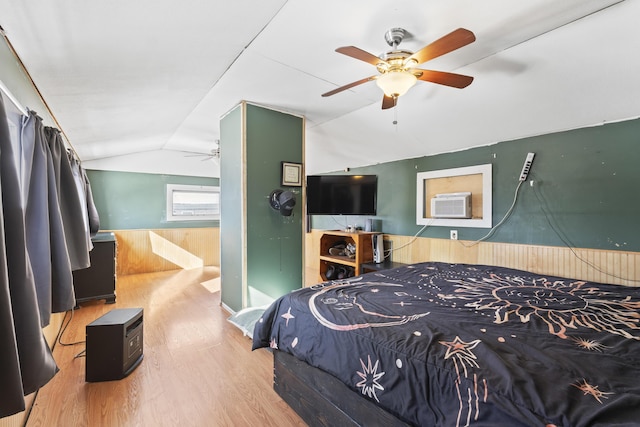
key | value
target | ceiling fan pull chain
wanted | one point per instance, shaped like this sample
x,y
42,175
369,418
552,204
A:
x,y
395,116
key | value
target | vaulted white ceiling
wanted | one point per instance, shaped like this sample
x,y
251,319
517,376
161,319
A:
x,y
137,85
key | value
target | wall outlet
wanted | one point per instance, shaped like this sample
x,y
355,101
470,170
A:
x,y
453,234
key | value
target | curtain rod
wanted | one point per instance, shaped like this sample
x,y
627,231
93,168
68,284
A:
x,y
13,99
35,87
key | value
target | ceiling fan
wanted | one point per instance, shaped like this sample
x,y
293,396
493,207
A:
x,y
396,68
213,154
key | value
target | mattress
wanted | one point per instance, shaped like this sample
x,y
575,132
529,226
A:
x,y
440,344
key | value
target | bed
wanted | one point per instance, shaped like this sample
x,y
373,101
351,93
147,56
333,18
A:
x,y
438,344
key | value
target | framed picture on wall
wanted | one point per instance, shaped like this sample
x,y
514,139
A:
x,y
291,174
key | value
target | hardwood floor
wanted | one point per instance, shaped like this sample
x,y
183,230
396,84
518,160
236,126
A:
x,y
198,369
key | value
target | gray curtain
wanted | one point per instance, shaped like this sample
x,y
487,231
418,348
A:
x,y
46,243
73,207
47,216
84,185
26,362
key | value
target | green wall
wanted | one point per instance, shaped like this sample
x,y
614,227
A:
x,y
274,242
261,249
584,193
231,210
129,201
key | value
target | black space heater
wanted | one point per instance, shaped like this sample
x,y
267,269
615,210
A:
x,y
114,345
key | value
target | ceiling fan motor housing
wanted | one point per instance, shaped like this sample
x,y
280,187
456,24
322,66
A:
x,y
395,61
394,36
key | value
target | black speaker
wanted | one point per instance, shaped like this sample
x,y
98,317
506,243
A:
x,y
114,345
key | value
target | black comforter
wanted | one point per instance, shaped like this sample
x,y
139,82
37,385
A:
x,y
454,345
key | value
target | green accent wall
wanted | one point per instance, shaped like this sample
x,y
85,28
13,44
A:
x,y
274,242
232,209
260,139
584,191
130,201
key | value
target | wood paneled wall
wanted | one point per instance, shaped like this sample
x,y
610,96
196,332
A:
x,y
148,251
597,265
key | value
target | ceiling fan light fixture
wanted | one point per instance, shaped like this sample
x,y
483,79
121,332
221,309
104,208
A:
x,y
397,71
396,83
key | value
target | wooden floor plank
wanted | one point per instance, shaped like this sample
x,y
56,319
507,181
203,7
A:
x,y
198,369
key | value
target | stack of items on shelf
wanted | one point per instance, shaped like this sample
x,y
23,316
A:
x,y
343,248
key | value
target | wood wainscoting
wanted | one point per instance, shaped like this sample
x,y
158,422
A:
x,y
605,266
149,251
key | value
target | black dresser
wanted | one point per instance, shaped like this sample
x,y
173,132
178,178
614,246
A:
x,y
99,280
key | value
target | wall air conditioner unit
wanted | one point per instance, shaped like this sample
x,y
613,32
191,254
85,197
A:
x,y
451,205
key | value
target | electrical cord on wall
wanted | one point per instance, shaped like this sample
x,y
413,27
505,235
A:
x,y
504,218
548,217
559,234
342,227
388,252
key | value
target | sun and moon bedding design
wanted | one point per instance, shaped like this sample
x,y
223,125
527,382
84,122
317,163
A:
x,y
463,345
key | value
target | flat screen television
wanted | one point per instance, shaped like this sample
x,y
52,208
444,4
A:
x,y
342,194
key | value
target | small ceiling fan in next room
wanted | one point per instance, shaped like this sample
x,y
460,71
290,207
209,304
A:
x,y
397,71
213,154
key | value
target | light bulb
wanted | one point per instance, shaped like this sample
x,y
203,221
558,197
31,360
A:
x,y
396,83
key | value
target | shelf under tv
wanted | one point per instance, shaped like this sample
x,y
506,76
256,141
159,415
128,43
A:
x,y
363,242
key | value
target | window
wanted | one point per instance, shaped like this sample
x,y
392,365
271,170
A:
x,y
473,179
193,202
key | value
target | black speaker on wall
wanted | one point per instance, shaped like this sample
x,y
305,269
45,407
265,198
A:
x,y
114,345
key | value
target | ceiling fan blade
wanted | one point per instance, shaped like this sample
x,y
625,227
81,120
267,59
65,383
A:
x,y
349,86
443,78
452,41
389,102
360,54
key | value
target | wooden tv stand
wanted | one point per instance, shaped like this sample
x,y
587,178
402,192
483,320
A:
x,y
363,241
